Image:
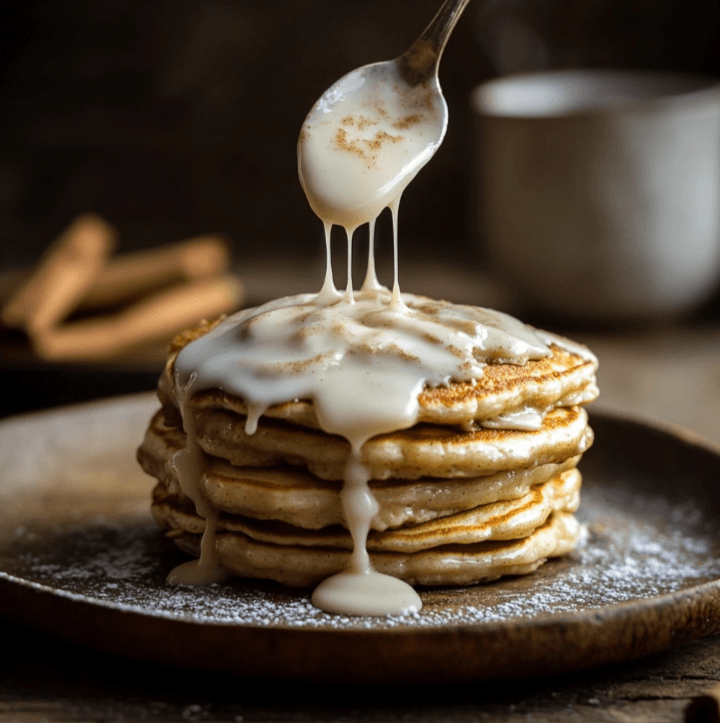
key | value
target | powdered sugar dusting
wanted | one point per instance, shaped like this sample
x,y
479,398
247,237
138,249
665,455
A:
x,y
77,525
636,548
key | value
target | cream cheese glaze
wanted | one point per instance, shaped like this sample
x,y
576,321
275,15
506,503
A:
x,y
362,357
364,141
363,363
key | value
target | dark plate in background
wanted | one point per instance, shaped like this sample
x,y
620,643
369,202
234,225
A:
x,y
31,384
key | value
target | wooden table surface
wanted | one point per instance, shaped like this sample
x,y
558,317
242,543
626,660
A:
x,y
43,679
668,374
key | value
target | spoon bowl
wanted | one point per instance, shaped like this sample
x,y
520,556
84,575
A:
x,y
384,130
372,131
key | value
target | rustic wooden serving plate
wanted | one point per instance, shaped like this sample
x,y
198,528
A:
x,y
81,558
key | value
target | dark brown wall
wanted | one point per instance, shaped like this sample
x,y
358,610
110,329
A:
x,y
177,117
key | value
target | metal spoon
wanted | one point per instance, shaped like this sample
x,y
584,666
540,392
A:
x,y
370,133
421,60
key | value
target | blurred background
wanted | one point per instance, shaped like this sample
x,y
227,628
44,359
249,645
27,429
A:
x,y
172,119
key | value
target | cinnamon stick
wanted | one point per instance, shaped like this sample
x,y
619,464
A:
x,y
64,274
154,318
130,276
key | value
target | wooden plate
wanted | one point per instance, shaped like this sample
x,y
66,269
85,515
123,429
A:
x,y
81,558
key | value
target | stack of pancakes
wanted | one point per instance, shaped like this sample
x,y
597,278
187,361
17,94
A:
x,y
459,502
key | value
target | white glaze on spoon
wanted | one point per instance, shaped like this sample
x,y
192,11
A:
x,y
365,140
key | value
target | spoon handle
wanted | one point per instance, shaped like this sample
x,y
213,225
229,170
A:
x,y
421,60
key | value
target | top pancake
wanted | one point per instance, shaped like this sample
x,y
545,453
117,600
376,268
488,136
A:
x,y
565,378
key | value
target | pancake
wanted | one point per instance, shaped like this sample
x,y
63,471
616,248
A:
x,y
563,379
293,495
512,519
447,565
423,450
